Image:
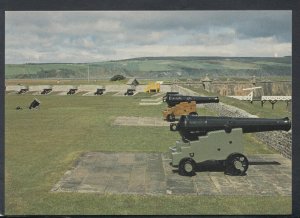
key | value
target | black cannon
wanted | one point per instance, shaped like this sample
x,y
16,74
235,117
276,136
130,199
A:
x,y
169,93
71,91
191,127
217,139
99,92
34,104
22,91
173,100
46,91
129,92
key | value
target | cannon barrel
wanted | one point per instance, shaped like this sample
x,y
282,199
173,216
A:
x,y
169,93
190,127
172,100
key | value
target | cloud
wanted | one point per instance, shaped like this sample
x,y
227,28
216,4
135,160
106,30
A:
x,y
102,35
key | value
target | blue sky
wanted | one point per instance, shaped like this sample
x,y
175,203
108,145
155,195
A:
x,y
92,36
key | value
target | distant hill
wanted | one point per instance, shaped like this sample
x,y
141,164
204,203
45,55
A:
x,y
156,67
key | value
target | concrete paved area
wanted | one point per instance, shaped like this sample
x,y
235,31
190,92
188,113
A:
x,y
151,101
150,173
140,121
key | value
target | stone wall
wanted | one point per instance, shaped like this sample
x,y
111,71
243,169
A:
x,y
15,88
280,141
89,88
236,88
116,88
63,88
38,88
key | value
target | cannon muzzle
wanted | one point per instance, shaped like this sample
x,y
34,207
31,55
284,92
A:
x,y
172,100
191,127
169,93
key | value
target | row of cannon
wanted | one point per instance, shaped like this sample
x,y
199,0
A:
x,y
65,89
211,138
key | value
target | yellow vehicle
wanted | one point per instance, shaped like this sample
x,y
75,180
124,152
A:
x,y
184,105
153,87
183,108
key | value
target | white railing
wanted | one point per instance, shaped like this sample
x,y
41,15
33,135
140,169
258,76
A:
x,y
242,98
276,98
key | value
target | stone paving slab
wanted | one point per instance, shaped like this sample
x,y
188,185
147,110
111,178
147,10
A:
x,y
140,121
150,103
151,174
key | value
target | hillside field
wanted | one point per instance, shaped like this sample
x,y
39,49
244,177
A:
x,y
156,67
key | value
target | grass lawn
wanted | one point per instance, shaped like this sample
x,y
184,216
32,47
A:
x,y
41,145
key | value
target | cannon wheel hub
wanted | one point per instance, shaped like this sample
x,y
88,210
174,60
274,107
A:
x,y
171,117
187,167
236,164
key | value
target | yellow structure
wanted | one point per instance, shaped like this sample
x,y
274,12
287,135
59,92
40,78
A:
x,y
153,87
183,108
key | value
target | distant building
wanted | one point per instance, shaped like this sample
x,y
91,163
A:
x,y
133,82
206,83
253,80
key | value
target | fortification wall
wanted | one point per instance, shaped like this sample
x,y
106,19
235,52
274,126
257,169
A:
x,y
280,141
116,88
89,88
15,88
63,88
236,88
140,88
165,88
39,88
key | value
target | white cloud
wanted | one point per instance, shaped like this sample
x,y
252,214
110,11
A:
x,y
103,35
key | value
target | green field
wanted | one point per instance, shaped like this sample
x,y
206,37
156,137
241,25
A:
x,y
41,145
156,67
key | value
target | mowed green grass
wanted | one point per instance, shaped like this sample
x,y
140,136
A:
x,y
41,145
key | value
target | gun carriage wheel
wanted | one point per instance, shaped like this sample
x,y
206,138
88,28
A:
x,y
187,167
173,127
236,164
170,117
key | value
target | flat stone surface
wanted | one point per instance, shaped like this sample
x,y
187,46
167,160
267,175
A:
x,y
151,174
140,121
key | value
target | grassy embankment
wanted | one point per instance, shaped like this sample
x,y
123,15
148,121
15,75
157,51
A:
x,y
42,145
280,110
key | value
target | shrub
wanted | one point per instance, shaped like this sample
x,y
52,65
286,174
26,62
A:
x,y
117,77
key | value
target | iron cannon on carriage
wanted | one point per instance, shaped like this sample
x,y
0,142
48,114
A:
x,y
217,138
184,105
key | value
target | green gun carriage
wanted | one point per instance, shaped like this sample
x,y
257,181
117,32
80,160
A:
x,y
217,138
